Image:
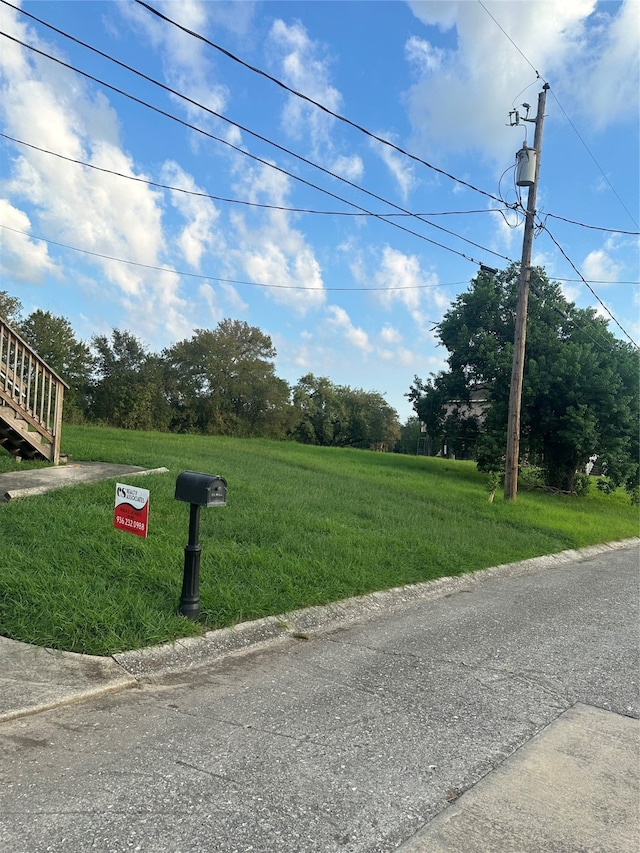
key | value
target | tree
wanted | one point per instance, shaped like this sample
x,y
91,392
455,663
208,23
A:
x,y
128,388
339,416
55,342
10,308
410,437
223,381
580,389
371,422
452,413
320,411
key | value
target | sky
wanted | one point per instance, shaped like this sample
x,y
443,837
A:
x,y
221,193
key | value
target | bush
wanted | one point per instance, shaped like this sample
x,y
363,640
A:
x,y
532,477
634,495
605,486
581,484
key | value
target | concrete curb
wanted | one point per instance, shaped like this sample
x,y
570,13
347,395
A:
x,y
156,661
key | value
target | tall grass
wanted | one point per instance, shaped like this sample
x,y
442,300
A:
x,y
303,525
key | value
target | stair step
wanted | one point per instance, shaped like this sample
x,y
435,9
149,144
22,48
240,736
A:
x,y
18,440
20,429
12,415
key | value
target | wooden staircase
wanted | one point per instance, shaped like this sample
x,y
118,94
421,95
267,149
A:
x,y
31,397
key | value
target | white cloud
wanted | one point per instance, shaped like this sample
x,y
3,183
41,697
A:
x,y
158,311
405,357
476,82
118,217
94,211
571,292
356,336
273,253
233,16
208,296
268,248
268,263
355,260
198,235
389,335
403,281
441,300
232,298
391,349
599,266
399,166
259,183
21,258
424,56
508,230
351,167
608,88
305,70
385,354
186,66
302,358
437,13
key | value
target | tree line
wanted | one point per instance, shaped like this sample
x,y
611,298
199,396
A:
x,y
220,381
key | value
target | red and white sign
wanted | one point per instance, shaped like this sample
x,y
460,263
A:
x,y
131,512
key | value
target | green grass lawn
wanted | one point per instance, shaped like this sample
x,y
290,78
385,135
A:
x,y
303,525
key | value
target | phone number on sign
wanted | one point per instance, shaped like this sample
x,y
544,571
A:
x,y
130,522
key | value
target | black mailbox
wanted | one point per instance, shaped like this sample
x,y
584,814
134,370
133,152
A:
x,y
198,490
201,489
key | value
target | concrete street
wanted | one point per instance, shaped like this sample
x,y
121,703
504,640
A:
x,y
500,717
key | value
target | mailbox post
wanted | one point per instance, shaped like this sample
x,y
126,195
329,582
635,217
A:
x,y
197,490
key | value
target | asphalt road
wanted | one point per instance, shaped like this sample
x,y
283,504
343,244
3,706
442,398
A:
x,y
355,740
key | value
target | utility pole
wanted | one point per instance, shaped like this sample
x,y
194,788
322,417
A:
x,y
517,370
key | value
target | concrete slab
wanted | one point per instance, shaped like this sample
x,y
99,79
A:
x,y
33,679
37,481
575,786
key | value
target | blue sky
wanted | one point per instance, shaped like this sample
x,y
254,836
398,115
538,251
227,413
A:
x,y
351,297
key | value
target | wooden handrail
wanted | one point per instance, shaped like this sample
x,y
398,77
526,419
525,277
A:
x,y
29,386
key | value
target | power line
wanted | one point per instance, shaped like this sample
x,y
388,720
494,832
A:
x,y
593,227
586,283
501,28
257,136
400,150
262,284
225,280
600,342
572,125
242,151
543,225
600,169
200,194
245,129
595,280
309,100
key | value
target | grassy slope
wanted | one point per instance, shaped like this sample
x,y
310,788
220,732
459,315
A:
x,y
302,526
